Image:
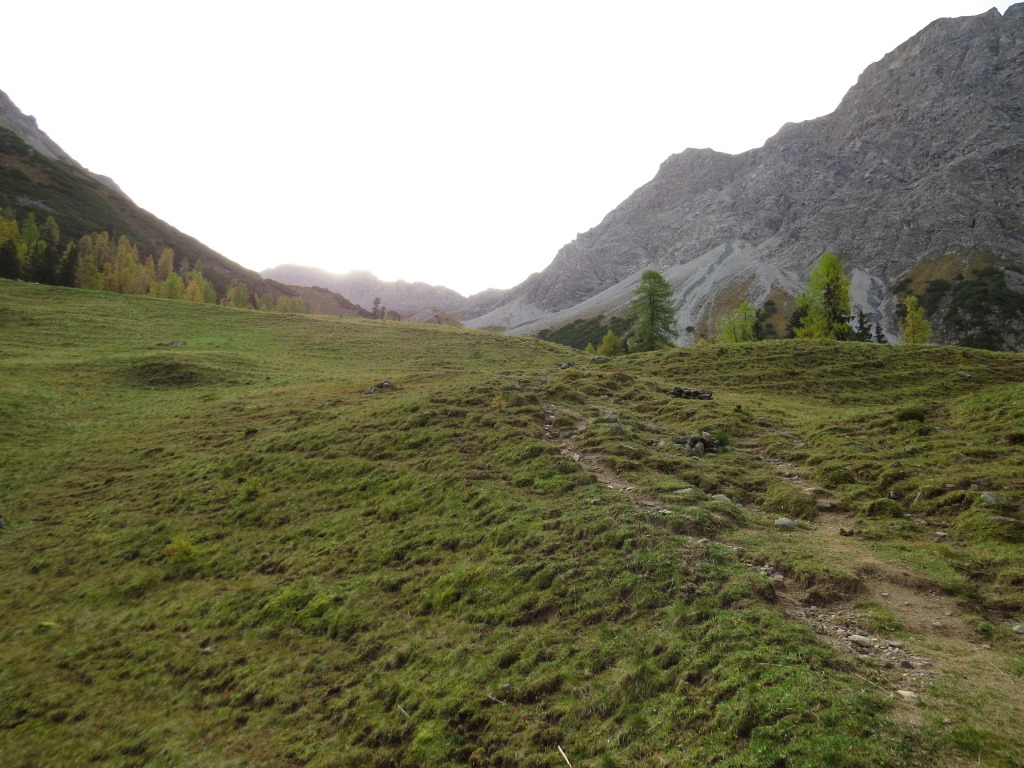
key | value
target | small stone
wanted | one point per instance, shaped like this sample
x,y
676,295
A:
x,y
907,695
599,359
906,664
937,624
941,536
568,364
989,499
896,644
823,504
722,498
1019,629
785,524
885,594
861,640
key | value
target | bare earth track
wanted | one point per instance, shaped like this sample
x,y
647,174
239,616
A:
x,y
938,645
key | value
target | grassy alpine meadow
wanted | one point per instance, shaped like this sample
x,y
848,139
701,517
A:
x,y
227,542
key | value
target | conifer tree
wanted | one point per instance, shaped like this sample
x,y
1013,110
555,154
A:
x,y
237,295
915,328
199,290
740,325
827,302
652,309
165,266
10,264
173,287
610,345
863,329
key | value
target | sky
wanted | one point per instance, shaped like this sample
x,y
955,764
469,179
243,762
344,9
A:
x,y
455,143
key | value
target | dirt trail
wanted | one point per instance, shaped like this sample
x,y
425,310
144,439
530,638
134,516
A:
x,y
941,638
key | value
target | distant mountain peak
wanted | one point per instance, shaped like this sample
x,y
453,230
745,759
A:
x,y
363,287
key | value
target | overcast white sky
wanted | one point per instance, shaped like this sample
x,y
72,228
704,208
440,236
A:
x,y
458,143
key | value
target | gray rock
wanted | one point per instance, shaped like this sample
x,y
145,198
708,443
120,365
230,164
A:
x,y
599,359
862,640
990,499
964,374
880,181
722,498
567,364
1019,629
785,524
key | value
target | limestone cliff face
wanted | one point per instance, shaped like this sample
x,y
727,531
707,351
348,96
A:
x,y
923,158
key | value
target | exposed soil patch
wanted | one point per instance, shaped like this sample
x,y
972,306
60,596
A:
x,y
934,637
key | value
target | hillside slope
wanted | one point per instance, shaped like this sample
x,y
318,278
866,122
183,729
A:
x,y
37,176
919,164
238,538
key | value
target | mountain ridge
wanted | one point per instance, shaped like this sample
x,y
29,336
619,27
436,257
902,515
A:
x,y
914,164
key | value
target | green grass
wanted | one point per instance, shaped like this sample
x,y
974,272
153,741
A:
x,y
230,553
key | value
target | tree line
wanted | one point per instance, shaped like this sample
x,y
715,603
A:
x,y
823,312
96,261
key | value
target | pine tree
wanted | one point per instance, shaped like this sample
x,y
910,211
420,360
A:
x,y
199,289
589,350
652,309
610,345
915,328
863,330
740,325
10,264
237,295
173,287
880,337
827,301
165,266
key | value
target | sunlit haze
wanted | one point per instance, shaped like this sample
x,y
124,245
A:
x,y
457,143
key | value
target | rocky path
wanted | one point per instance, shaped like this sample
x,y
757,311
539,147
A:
x,y
937,638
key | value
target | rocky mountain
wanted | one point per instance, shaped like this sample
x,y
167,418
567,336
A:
x,y
363,287
36,175
915,178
